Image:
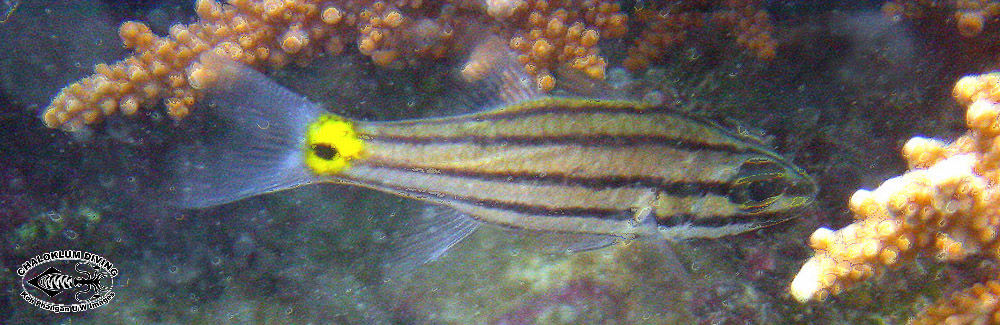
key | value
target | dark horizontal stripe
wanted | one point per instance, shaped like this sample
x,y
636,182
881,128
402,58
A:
x,y
660,184
637,110
507,113
596,213
593,140
631,108
718,221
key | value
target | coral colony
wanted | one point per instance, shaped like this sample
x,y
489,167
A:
x,y
546,35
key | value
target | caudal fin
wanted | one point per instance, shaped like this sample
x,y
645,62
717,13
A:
x,y
256,146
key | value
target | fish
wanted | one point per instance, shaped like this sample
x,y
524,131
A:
x,y
597,170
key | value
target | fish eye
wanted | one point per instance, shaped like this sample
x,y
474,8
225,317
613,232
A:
x,y
761,190
324,151
758,184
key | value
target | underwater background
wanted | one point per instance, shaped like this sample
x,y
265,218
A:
x,y
837,87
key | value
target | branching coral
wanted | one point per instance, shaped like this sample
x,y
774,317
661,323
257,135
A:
x,y
977,305
946,206
273,33
258,33
668,24
554,33
969,16
545,35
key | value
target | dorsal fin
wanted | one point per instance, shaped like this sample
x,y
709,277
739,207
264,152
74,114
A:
x,y
492,78
577,83
739,129
725,123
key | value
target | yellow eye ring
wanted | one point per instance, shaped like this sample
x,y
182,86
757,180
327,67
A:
x,y
331,144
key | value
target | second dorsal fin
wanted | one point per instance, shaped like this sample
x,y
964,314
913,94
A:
x,y
491,77
577,83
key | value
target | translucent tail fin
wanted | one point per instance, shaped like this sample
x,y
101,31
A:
x,y
257,145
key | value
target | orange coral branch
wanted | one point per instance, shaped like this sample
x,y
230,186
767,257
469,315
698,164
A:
x,y
274,33
669,24
970,16
946,206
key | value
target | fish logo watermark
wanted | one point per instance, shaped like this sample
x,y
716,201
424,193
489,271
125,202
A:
x,y
67,281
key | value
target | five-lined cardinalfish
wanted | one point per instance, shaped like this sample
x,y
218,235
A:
x,y
604,169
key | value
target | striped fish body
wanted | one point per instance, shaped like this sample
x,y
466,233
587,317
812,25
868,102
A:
x,y
601,169
583,166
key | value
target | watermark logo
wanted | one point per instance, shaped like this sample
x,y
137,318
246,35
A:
x,y
67,281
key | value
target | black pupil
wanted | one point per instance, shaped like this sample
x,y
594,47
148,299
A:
x,y
324,151
757,184
762,190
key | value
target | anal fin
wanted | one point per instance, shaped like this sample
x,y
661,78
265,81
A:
x,y
425,238
569,242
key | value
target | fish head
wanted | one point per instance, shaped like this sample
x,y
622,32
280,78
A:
x,y
331,143
767,185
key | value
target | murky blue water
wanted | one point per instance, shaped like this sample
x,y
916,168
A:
x,y
846,88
